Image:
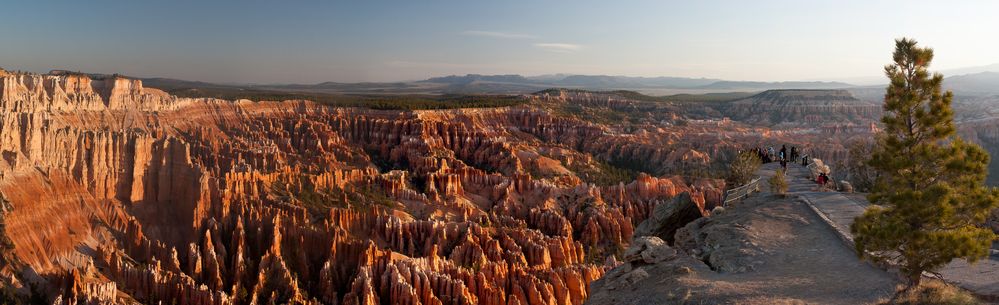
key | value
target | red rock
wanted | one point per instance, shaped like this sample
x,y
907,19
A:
x,y
204,201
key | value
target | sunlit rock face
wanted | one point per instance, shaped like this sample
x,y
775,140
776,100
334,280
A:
x,y
985,132
121,193
803,108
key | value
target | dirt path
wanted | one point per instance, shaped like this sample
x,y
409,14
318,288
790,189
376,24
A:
x,y
789,254
981,278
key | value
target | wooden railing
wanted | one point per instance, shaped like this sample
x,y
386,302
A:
x,y
738,193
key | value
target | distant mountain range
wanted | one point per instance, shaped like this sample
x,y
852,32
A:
x,y
979,83
627,82
971,70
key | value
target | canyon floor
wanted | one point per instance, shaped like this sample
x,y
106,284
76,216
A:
x,y
792,255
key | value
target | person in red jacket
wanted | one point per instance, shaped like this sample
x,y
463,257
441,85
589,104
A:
x,y
822,179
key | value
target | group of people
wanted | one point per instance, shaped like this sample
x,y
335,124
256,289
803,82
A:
x,y
822,179
766,154
769,154
784,156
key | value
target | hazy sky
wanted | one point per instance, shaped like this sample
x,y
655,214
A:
x,y
315,41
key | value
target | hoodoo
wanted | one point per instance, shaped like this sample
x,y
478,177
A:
x,y
151,197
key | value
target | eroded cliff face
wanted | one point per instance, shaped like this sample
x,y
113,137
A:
x,y
803,108
984,132
123,193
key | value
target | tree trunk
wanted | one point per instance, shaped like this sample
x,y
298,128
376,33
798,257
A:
x,y
912,282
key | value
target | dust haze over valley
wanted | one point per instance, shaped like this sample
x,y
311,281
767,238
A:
x,y
386,153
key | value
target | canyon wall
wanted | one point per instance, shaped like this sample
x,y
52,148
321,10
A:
x,y
122,193
803,108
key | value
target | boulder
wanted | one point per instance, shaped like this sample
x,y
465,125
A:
x,y
670,216
611,262
635,276
845,186
648,250
817,167
718,210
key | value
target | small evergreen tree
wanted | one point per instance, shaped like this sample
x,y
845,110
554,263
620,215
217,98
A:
x,y
929,198
743,168
778,183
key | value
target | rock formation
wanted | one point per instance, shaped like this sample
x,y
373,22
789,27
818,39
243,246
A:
x,y
119,193
803,108
666,219
816,167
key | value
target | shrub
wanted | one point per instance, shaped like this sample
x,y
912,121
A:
x,y
934,293
778,183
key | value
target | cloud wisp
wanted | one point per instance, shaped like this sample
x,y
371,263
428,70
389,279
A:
x,y
558,47
497,34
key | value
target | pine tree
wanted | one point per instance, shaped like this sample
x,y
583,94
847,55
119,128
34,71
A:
x,y
743,168
929,198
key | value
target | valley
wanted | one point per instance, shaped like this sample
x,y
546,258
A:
x,y
117,192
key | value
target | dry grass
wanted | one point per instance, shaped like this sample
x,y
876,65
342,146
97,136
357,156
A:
x,y
934,292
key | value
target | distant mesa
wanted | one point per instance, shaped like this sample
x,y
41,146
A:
x,y
805,95
628,82
732,85
469,78
803,107
978,84
981,83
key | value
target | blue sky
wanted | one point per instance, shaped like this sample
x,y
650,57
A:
x,y
316,41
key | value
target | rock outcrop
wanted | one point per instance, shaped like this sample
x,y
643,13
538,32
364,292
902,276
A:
x,y
649,261
803,108
120,193
816,167
760,251
667,218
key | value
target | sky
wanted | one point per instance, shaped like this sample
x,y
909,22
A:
x,y
378,40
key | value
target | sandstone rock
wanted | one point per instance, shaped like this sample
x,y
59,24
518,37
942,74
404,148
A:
x,y
648,250
635,276
206,201
803,107
717,243
845,186
718,210
817,167
611,261
668,217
